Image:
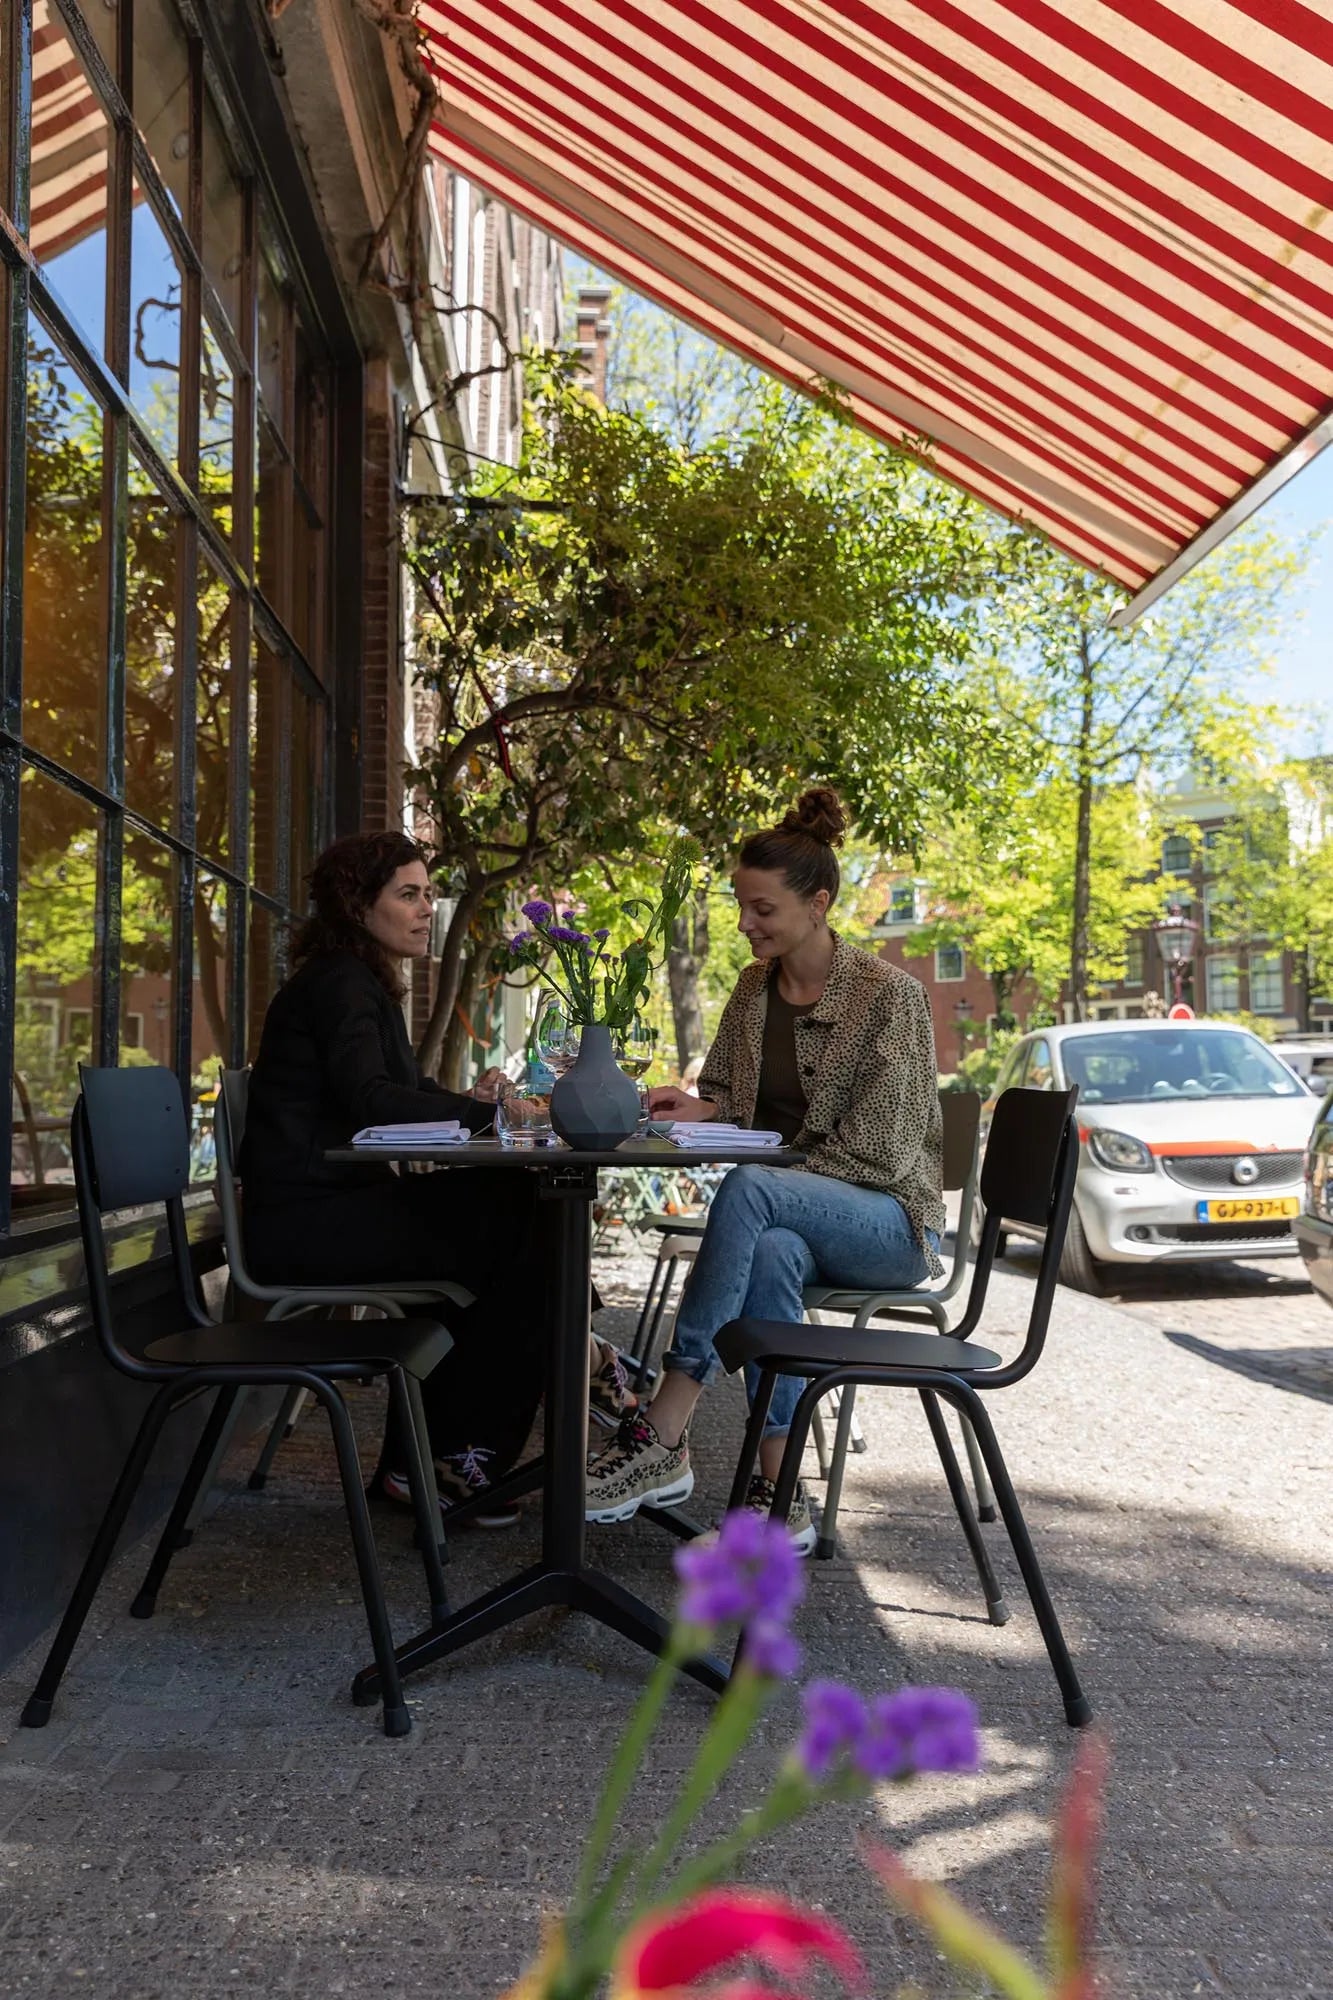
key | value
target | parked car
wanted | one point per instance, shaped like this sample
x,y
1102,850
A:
x,y
1191,1141
1313,1227
1311,1056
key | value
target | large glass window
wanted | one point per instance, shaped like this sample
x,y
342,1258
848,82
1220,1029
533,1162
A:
x,y
1266,984
168,771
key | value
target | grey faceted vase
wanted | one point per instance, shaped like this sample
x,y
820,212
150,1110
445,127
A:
x,y
594,1105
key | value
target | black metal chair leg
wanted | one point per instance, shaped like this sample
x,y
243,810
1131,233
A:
x,y
279,1429
425,1498
37,1710
397,1721
145,1603
996,1607
638,1351
827,1544
789,1472
1078,1709
422,1431
650,1344
754,1437
977,1464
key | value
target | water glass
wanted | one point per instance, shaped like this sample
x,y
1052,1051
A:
x,y
523,1117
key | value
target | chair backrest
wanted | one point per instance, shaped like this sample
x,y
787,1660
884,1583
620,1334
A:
x,y
130,1141
1027,1176
960,1114
229,1114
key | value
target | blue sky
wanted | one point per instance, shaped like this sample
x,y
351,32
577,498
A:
x,y
1304,662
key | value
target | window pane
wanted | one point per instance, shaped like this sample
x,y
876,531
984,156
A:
x,y
307,789
273,348
155,328
273,521
1266,995
213,717
57,966
270,688
210,1042
217,416
224,223
151,676
64,588
147,906
1223,984
71,156
162,95
266,968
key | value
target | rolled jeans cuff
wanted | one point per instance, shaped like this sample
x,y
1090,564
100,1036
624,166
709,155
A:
x,y
703,1369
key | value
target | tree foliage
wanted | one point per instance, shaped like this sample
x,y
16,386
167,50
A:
x,y
1274,860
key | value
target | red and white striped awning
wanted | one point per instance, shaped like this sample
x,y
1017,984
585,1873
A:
x,y
1084,247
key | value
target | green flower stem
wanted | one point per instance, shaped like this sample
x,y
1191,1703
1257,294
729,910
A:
x,y
792,1795
734,1717
626,1762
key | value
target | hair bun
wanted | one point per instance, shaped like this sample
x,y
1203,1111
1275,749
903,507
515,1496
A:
x,y
819,813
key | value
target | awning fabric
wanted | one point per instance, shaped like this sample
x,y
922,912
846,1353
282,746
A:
x,y
1085,247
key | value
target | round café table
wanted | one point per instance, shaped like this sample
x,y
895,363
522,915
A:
x,y
563,1575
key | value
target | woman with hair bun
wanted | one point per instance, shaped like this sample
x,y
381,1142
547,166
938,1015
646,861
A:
x,y
833,1049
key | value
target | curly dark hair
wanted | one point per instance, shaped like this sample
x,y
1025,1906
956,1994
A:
x,y
344,882
801,845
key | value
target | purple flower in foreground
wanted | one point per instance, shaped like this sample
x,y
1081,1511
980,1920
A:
x,y
569,916
749,1570
538,912
770,1649
561,934
919,1729
520,941
601,936
835,1719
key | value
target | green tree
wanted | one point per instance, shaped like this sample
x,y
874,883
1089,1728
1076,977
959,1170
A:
x,y
633,635
1273,864
1094,706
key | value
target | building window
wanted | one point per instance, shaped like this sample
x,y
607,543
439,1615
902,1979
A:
x,y
1223,977
1216,897
949,963
902,903
1266,984
164,775
1134,962
1177,854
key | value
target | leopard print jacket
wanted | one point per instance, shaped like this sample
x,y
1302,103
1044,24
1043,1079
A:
x,y
866,1057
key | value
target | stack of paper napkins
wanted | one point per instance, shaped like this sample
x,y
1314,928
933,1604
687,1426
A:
x,y
448,1132
724,1138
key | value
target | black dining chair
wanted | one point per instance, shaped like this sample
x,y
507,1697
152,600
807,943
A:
x,y
1027,1176
131,1149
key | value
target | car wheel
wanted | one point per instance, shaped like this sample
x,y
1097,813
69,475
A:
x,y
1078,1267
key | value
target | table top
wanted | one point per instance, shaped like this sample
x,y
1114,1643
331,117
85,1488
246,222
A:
x,y
632,1153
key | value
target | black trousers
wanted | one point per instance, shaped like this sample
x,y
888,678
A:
x,y
475,1227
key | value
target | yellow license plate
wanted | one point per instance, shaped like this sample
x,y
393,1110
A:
x,y
1249,1208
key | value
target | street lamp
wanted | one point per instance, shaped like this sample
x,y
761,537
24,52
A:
x,y
1175,934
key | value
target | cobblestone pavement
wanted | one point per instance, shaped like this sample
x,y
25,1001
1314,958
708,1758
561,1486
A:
x,y
206,1812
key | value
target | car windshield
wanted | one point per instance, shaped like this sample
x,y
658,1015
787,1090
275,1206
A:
x,y
1172,1062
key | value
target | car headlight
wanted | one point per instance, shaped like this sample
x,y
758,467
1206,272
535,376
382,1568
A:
x,y
1120,1152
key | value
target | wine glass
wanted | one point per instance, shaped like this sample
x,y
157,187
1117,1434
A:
x,y
557,1039
635,1050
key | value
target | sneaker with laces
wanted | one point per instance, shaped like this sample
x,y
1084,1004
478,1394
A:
x,y
637,1470
800,1526
459,1477
610,1398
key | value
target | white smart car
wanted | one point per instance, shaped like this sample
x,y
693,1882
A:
x,y
1191,1141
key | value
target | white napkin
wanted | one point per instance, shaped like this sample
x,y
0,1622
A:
x,y
447,1133
713,1136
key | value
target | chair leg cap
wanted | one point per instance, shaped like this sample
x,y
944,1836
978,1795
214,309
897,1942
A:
x,y
36,1712
397,1722
143,1606
999,1612
365,1692
439,1613
860,1444
987,1514
825,1548
257,1481
1078,1712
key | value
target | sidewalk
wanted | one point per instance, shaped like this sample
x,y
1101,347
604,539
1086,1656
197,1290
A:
x,y
207,1812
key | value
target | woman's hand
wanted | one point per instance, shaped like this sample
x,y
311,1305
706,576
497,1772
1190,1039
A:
x,y
489,1085
668,1100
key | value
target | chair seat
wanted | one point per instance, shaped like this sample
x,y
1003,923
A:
x,y
809,1350
836,1298
417,1345
677,1225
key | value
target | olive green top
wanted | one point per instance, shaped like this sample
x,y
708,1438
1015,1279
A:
x,y
780,1105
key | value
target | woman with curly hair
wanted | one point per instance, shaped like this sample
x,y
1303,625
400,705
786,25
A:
x,y
334,1057
834,1050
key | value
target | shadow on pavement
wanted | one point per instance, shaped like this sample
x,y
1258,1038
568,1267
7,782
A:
x,y
1306,1371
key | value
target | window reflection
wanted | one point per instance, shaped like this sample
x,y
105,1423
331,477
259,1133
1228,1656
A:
x,y
213,713
57,977
274,509
64,584
269,731
155,328
273,344
266,968
71,156
306,792
162,95
217,416
147,996
211,1041
151,669
224,223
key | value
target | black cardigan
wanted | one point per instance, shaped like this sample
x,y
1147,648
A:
x,y
334,1056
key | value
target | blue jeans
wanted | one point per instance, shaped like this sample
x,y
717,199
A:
x,y
772,1231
